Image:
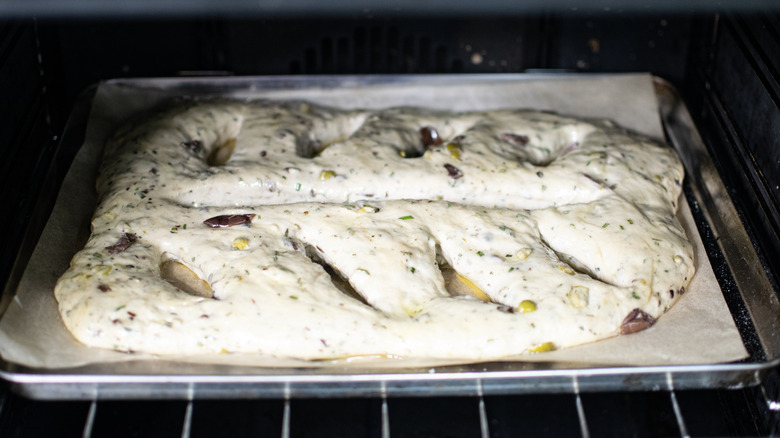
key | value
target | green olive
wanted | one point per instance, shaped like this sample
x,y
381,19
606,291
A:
x,y
524,253
579,296
526,306
327,174
542,348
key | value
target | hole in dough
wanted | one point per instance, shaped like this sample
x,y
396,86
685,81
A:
x,y
323,133
457,285
338,280
574,264
221,154
184,278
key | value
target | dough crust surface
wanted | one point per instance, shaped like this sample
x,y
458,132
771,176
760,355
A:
x,y
301,231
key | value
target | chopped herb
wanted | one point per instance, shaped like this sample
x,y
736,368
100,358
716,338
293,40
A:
x,y
480,253
634,295
406,218
98,255
298,187
293,297
621,227
631,222
412,269
606,224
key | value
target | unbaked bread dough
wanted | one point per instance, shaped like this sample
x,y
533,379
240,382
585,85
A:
x,y
301,231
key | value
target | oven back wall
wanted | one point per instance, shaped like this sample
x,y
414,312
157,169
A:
x,y
97,50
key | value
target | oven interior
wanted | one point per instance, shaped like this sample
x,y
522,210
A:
x,y
725,64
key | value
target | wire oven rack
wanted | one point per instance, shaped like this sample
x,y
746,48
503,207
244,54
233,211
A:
x,y
691,413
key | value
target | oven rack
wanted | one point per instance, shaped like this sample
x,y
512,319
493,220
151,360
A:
x,y
693,413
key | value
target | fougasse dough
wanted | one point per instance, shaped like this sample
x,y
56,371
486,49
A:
x,y
300,231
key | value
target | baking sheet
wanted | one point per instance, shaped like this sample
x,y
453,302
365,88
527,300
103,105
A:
x,y
698,330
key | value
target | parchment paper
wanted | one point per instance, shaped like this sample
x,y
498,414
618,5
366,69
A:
x,y
698,330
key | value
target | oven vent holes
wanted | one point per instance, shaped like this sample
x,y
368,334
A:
x,y
376,50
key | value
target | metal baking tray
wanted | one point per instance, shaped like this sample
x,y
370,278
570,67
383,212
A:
x,y
748,291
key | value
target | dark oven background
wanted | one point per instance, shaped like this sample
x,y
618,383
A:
x,y
726,66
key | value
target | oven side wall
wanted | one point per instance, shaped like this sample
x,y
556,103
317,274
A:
x,y
732,89
32,118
